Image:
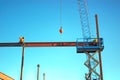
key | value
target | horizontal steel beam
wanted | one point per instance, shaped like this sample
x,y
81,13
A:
x,y
49,44
38,44
45,44
41,44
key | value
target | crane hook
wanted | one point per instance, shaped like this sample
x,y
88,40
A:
x,y
61,30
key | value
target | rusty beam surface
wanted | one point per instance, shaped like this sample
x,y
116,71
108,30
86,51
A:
x,y
38,44
43,44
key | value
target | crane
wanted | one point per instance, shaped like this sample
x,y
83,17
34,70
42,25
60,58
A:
x,y
89,46
91,51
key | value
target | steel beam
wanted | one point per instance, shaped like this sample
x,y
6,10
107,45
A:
x,y
43,44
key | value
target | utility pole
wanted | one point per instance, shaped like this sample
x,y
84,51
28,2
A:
x,y
38,66
99,52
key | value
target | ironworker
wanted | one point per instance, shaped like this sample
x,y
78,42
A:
x,y
95,40
21,40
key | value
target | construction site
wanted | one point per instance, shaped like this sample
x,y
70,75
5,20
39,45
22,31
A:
x,y
40,51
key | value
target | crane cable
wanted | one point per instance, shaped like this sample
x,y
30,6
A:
x,y
60,13
61,30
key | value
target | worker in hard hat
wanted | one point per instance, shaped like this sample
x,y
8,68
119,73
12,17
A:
x,y
95,40
21,40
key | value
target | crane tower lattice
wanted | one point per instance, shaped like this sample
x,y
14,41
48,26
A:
x,y
92,63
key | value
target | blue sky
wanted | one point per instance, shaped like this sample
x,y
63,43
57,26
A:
x,y
39,20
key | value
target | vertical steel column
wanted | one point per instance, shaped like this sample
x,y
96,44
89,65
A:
x,y
99,52
38,72
22,63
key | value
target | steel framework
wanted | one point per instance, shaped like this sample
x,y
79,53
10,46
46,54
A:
x,y
90,46
82,47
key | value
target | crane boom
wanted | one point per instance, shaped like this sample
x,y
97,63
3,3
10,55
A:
x,y
82,6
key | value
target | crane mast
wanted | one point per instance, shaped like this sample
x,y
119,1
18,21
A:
x,y
92,63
